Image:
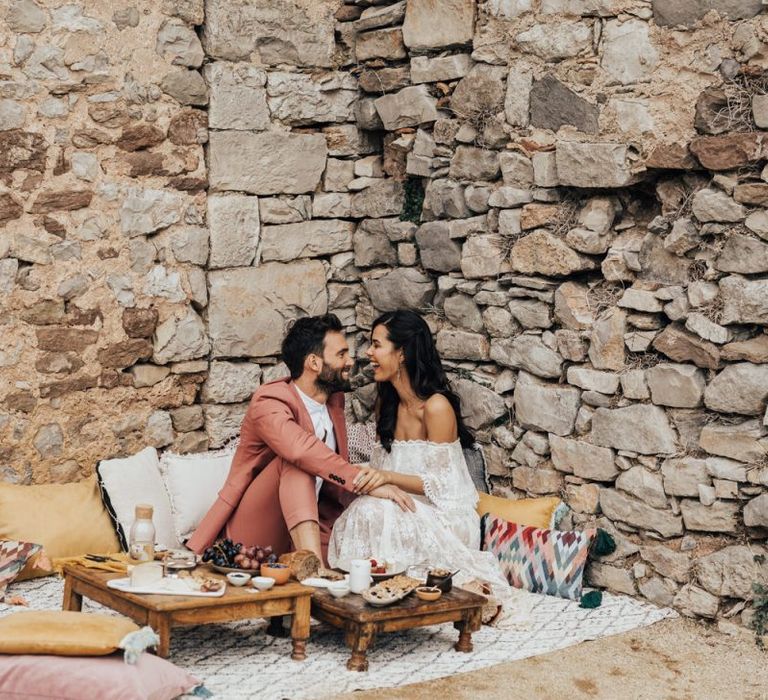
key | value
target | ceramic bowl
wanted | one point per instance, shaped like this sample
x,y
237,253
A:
x,y
238,579
339,589
262,583
428,593
280,573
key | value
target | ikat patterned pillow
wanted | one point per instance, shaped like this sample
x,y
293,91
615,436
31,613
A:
x,y
13,556
539,560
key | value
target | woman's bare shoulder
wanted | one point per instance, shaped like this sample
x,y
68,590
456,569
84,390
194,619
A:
x,y
439,419
437,406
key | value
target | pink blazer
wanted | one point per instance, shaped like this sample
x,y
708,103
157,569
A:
x,y
277,426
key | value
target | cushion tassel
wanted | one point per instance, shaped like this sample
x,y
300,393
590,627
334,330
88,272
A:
x,y
593,599
136,643
603,544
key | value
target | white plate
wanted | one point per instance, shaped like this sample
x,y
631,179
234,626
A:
x,y
321,582
168,586
397,569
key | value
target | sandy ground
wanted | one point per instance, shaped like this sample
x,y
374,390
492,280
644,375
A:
x,y
671,660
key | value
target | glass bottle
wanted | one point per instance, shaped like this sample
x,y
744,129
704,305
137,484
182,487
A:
x,y
141,541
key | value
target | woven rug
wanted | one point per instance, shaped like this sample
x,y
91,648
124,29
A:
x,y
239,660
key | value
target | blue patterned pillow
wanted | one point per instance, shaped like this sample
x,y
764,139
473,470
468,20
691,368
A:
x,y
539,560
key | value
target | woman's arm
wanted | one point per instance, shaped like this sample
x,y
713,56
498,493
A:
x,y
441,427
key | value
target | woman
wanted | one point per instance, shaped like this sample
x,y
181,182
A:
x,y
421,437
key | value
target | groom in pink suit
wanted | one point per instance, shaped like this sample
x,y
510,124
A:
x,y
290,477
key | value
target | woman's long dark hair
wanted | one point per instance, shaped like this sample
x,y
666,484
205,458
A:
x,y
409,331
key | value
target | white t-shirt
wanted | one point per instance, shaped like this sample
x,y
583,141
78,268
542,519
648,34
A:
x,y
321,420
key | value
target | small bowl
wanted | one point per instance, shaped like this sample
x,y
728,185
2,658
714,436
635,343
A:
x,y
429,593
339,589
279,572
262,583
237,579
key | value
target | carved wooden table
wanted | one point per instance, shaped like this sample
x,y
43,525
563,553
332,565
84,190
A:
x,y
162,612
362,622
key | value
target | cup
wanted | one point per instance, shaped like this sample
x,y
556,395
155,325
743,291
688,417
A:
x,y
359,575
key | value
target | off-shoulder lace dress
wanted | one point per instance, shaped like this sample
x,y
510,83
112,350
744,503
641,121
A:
x,y
443,532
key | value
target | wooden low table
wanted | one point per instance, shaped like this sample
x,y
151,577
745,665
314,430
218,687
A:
x,y
362,622
162,612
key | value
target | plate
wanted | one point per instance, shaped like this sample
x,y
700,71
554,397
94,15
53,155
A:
x,y
397,569
166,586
233,570
382,602
317,582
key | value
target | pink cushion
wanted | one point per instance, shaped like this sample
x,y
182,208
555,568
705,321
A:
x,y
103,677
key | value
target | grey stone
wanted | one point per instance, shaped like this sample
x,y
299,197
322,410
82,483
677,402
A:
x,y
284,210
554,105
640,300
719,517
590,242
331,205
373,17
401,288
593,164
744,300
126,17
756,513
223,422
307,239
266,163
683,237
380,44
49,440
693,601
293,33
25,17
480,406
349,140
541,252
683,476
159,429
639,428
545,169
572,307
147,211
410,106
506,197
731,571
628,54
676,385
745,442
179,43
444,199
478,96
699,324
527,352
470,163
553,42
436,248
714,205
606,346
643,484
234,230
729,469
669,13
582,459
338,174
231,382
148,375
431,70
659,591
424,28
185,86
238,97
385,197
461,345
633,384
12,115
463,312
611,577
739,388
757,222
593,380
517,101
530,313
187,418
481,256
618,506
667,562
516,169
498,322
546,407
302,98
743,254
250,307
181,336
372,247
537,481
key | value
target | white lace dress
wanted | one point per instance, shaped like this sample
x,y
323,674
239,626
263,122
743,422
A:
x,y
443,532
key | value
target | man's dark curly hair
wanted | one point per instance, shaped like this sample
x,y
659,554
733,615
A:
x,y
306,336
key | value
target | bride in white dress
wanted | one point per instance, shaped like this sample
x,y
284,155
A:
x,y
430,519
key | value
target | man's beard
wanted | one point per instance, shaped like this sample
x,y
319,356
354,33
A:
x,y
332,380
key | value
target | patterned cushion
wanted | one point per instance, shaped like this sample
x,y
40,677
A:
x,y
13,556
536,559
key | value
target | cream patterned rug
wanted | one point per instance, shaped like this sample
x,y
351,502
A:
x,y
239,660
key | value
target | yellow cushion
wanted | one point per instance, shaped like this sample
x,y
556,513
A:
x,y
535,512
66,519
63,633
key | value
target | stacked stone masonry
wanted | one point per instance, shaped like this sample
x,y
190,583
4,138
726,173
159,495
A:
x,y
179,180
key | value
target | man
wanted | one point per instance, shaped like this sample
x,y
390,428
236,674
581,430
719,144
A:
x,y
290,477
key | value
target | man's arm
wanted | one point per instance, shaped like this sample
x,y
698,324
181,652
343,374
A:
x,y
274,423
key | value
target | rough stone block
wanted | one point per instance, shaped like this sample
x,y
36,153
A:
x,y
234,230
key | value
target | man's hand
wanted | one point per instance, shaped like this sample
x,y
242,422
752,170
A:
x,y
369,479
393,493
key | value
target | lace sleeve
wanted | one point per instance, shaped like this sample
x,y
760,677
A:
x,y
446,480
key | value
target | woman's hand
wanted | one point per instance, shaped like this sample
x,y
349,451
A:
x,y
368,479
393,493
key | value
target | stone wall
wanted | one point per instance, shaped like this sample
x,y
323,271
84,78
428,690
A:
x,y
571,190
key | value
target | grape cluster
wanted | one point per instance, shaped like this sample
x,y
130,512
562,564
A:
x,y
237,556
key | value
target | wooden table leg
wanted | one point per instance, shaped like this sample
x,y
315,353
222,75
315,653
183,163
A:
x,y
162,625
276,628
362,637
72,600
470,623
300,627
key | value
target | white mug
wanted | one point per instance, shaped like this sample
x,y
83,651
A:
x,y
359,575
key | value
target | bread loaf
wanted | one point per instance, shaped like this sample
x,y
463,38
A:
x,y
303,563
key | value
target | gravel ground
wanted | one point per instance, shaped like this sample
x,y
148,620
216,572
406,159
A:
x,y
672,660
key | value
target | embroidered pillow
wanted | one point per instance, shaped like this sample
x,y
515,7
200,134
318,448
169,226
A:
x,y
13,556
537,559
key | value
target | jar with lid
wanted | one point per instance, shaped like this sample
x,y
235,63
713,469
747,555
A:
x,y
141,541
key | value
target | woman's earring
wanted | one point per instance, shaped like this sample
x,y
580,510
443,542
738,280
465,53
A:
x,y
399,370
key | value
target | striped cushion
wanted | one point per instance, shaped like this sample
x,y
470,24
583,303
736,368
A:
x,y
13,556
539,560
